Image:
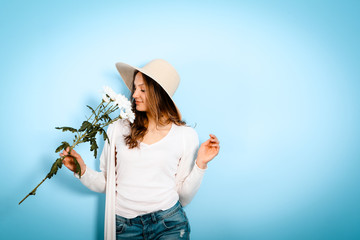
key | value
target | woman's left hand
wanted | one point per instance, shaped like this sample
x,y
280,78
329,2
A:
x,y
207,151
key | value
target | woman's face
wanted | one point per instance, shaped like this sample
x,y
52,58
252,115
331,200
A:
x,y
140,92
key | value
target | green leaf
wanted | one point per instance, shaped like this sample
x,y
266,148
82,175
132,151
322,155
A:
x,y
59,164
94,147
105,136
54,168
63,146
77,167
67,129
93,111
105,117
92,134
85,125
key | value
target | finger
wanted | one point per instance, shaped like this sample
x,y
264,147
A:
x,y
214,140
215,146
74,153
213,137
70,151
67,159
64,153
215,150
70,165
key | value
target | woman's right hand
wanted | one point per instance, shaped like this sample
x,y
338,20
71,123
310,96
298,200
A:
x,y
69,161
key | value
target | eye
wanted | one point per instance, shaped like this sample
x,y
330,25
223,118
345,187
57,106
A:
x,y
142,90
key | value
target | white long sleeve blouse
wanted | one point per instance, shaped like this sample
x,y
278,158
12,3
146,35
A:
x,y
169,174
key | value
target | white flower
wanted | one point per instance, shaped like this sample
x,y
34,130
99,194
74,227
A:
x,y
122,101
108,91
130,115
122,114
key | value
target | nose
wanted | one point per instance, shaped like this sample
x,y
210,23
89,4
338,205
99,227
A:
x,y
136,94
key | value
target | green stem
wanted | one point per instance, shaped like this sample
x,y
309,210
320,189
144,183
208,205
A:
x,y
33,191
95,110
78,138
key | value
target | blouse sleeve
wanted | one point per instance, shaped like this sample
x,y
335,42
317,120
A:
x,y
189,175
94,180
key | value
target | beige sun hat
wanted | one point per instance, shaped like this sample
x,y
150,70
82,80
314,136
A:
x,y
159,70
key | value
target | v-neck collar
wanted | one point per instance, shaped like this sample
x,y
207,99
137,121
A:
x,y
161,140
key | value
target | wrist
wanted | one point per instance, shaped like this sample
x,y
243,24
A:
x,y
201,164
83,169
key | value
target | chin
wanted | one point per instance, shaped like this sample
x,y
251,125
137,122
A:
x,y
140,109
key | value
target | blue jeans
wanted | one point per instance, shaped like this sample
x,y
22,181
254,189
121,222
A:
x,y
169,224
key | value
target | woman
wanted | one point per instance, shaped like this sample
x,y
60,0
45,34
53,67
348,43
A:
x,y
148,169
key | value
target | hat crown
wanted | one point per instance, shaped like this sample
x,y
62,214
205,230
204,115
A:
x,y
163,73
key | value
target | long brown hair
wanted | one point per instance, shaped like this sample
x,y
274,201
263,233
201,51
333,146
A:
x,y
160,107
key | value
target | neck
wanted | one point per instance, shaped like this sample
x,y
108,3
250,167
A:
x,y
151,123
154,124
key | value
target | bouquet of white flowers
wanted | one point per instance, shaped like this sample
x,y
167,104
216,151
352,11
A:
x,y
98,120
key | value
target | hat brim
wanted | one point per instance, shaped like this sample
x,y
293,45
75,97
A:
x,y
127,74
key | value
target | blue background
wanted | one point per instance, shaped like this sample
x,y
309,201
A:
x,y
276,81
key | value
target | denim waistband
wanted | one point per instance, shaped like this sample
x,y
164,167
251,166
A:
x,y
154,216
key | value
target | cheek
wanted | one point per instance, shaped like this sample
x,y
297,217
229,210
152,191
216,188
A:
x,y
144,105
